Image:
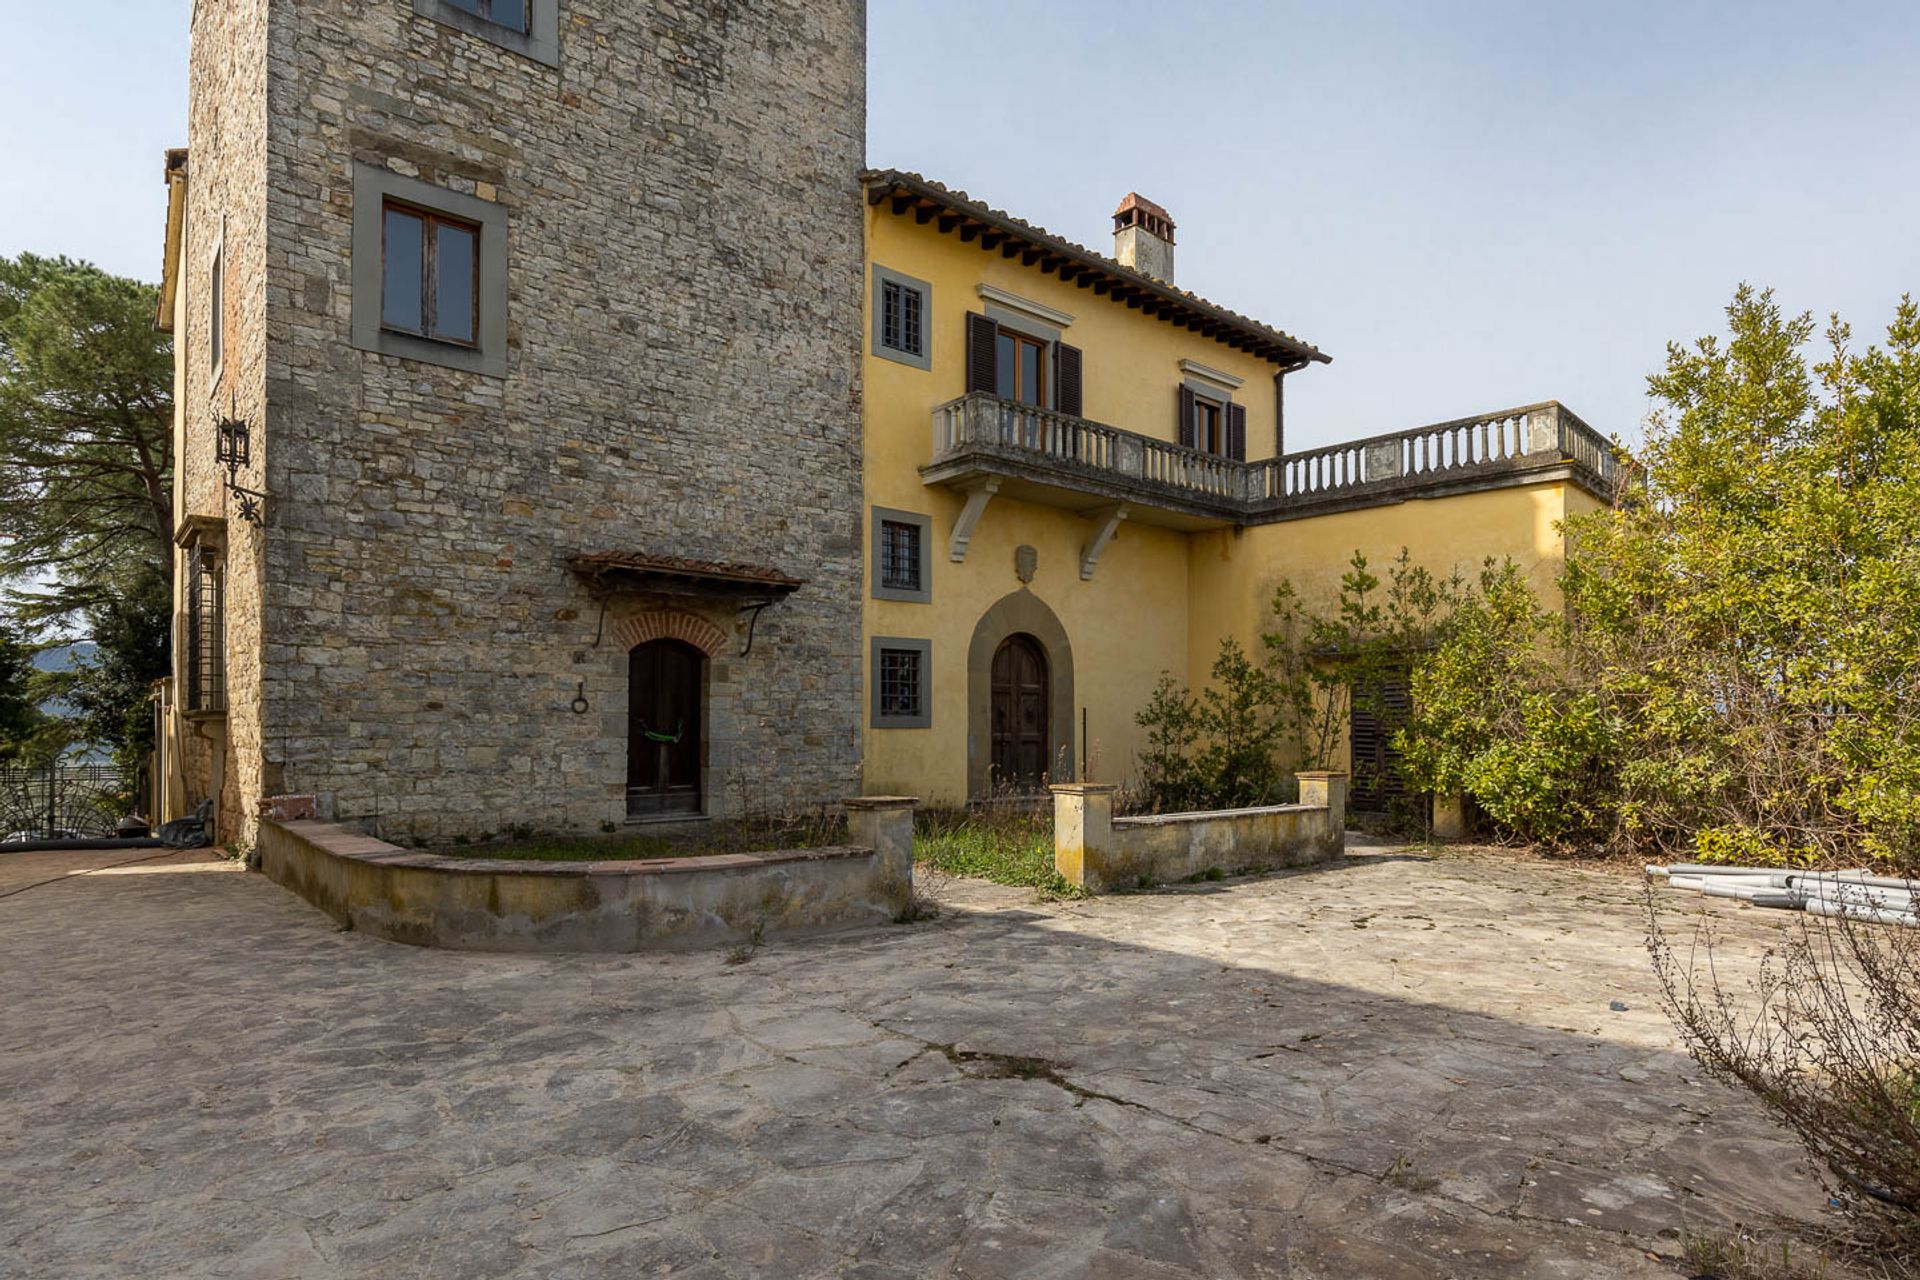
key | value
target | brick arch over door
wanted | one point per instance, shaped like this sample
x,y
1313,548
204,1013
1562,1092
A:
x,y
669,624
1022,613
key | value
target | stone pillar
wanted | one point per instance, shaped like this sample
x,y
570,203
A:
x,y
1328,788
1082,832
1543,430
1383,460
1450,817
885,825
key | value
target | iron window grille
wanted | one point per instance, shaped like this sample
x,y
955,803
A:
x,y
900,318
900,683
900,556
206,673
511,14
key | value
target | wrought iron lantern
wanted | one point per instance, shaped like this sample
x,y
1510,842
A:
x,y
233,449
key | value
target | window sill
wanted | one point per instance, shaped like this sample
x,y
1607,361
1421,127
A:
x,y
204,717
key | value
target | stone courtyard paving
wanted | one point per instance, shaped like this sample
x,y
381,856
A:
x,y
1401,1065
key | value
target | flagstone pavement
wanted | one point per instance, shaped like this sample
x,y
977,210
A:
x,y
1405,1064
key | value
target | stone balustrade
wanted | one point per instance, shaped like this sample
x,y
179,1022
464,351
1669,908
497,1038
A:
x,y
980,433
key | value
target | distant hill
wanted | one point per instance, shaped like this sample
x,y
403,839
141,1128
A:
x,y
63,657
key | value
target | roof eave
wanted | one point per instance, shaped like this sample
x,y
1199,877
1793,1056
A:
x,y
176,178
1286,350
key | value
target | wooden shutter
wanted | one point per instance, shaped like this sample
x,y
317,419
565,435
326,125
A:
x,y
1066,386
983,364
1185,433
1237,432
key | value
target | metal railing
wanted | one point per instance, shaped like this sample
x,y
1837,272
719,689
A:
x,y
1396,463
58,802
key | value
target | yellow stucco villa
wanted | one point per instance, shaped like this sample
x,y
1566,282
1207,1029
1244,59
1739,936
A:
x,y
1076,479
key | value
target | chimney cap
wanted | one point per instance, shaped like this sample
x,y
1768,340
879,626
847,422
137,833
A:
x,y
1138,211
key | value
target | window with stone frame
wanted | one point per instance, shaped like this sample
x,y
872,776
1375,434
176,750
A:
x,y
900,683
902,318
205,659
901,677
900,555
901,306
900,552
527,27
429,272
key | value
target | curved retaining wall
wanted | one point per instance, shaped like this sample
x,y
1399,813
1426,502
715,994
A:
x,y
492,904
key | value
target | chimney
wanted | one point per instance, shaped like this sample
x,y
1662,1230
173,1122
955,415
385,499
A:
x,y
1143,237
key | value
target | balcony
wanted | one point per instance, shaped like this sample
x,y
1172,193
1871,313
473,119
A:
x,y
984,445
1042,456
1528,445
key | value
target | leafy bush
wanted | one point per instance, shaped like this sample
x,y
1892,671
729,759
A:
x,y
1239,741
1219,749
1498,717
1735,675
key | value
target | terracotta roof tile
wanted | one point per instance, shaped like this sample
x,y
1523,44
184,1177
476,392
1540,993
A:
x,y
880,181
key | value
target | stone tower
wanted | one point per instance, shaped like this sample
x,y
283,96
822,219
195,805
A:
x,y
539,322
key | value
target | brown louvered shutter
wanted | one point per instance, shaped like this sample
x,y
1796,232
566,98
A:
x,y
1185,436
1237,432
1067,384
983,366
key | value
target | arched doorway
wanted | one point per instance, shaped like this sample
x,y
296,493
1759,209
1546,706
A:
x,y
664,679
1024,615
1021,715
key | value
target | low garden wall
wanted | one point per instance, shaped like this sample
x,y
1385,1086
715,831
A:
x,y
1099,852
491,904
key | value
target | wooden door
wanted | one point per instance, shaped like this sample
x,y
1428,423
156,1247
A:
x,y
1022,733
663,729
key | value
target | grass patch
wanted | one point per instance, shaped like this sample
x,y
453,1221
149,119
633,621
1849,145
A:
x,y
1009,847
738,835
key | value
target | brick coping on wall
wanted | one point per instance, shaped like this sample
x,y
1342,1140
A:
x,y
340,842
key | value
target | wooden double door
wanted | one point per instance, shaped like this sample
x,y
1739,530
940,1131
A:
x,y
1021,715
664,685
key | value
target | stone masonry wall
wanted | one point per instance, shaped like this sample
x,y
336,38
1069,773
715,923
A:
x,y
226,212
684,325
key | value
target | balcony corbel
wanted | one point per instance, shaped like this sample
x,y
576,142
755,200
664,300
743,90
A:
x,y
1107,524
978,495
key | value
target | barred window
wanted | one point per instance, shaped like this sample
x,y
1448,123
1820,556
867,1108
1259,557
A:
x,y
206,656
900,307
900,684
900,555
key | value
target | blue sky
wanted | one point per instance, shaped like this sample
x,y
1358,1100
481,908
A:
x,y
1469,205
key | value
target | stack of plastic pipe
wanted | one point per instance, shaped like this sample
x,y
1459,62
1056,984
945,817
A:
x,y
1854,895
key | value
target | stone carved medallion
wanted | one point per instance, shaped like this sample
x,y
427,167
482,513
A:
x,y
1026,561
